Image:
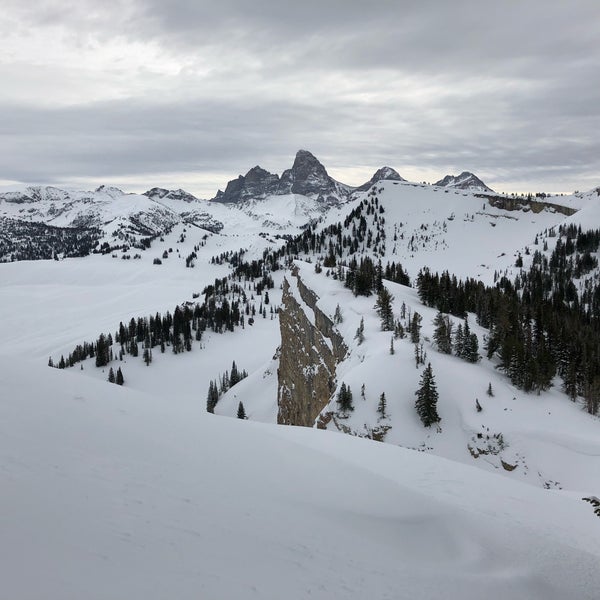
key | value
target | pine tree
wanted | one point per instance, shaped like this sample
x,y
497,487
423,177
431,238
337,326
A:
x,y
119,379
111,375
490,392
398,330
443,333
241,413
415,328
360,332
427,397
382,406
337,317
147,356
392,351
235,375
383,305
344,399
212,397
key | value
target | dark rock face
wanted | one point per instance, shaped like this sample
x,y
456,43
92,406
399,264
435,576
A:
x,y
157,193
257,183
307,177
311,348
383,174
464,181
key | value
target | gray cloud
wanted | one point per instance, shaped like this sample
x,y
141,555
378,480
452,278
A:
x,y
506,89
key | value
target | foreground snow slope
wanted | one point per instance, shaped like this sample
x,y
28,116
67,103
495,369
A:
x,y
109,493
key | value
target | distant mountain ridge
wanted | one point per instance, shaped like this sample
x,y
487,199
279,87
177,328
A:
x,y
307,177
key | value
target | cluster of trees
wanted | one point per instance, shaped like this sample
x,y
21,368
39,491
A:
x,y
20,240
218,387
366,277
116,378
461,342
541,324
226,305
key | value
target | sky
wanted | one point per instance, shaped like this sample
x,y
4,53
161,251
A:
x,y
191,93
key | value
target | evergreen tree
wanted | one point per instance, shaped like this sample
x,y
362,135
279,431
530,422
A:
x,y
360,332
235,375
241,413
415,328
490,392
337,317
111,375
212,397
398,330
147,356
383,305
427,397
443,333
344,399
382,406
392,351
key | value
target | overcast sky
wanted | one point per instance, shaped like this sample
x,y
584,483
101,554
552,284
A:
x,y
191,93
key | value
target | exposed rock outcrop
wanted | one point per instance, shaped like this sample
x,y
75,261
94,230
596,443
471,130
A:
x,y
383,174
257,183
464,181
307,177
525,204
311,348
157,193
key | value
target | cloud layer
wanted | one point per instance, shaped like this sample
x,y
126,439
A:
x,y
151,91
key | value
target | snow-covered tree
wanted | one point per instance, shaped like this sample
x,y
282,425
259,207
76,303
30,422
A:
x,y
427,397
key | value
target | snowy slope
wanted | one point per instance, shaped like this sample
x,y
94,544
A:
x,y
108,493
543,440
446,229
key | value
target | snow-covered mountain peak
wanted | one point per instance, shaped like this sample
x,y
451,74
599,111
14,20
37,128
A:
x,y
465,181
382,174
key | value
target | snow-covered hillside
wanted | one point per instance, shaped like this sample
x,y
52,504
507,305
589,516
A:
x,y
137,491
111,493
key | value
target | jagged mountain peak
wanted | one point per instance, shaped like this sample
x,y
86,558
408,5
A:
x,y
306,177
382,174
465,181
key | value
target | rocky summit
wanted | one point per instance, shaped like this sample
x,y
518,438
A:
x,y
465,181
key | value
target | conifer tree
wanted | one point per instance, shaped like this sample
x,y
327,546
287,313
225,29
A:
x,y
360,332
427,397
383,305
337,317
382,406
241,412
344,399
415,328
392,351
147,356
212,397
111,375
490,392
443,333
119,380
